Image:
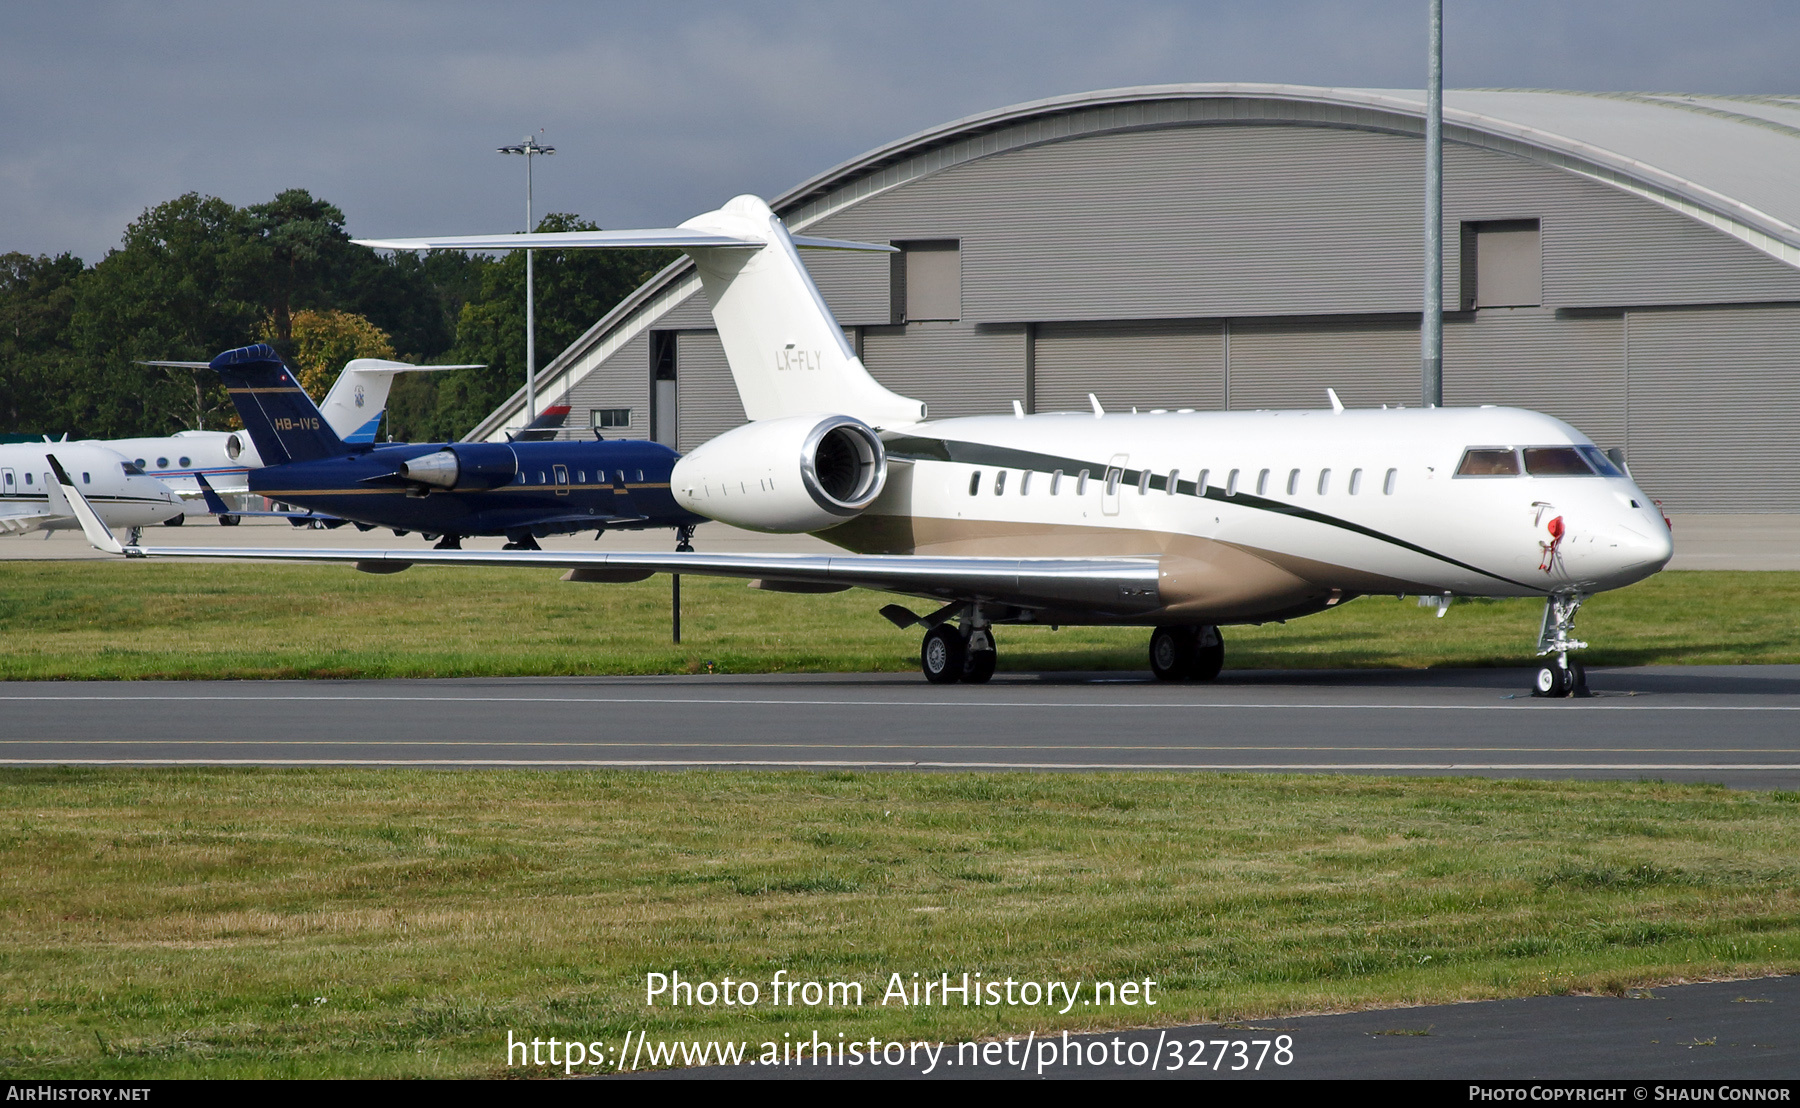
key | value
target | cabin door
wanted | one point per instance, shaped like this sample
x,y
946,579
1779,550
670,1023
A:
x,y
1109,493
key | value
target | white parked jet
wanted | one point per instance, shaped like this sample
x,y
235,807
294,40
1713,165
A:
x,y
122,494
1179,521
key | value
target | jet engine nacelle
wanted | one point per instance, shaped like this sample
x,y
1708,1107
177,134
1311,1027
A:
x,y
797,473
465,467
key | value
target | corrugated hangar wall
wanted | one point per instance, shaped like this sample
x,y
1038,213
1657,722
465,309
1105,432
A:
x,y
1254,266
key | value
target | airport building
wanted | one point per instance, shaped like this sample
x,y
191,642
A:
x,y
1627,262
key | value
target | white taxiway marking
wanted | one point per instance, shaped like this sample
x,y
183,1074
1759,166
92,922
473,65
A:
x,y
1523,705
587,744
647,763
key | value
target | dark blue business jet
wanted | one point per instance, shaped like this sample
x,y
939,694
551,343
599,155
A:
x,y
523,490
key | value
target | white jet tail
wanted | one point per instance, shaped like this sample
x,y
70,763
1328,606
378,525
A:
x,y
358,398
787,353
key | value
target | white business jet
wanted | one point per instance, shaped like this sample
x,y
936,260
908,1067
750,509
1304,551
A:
x,y
1179,521
121,493
353,408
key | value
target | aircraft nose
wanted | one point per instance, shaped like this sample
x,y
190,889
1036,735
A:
x,y
1636,552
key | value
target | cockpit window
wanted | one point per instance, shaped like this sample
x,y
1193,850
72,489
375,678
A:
x,y
1598,459
1556,461
132,469
1488,462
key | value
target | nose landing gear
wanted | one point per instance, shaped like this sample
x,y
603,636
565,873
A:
x,y
1560,676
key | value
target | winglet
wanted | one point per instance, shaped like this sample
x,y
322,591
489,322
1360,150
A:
x,y
91,524
214,502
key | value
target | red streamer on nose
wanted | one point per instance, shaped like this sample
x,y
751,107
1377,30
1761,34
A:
x,y
1555,527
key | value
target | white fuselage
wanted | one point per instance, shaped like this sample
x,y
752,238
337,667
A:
x,y
225,457
121,498
1297,505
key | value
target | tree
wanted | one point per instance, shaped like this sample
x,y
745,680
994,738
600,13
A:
x,y
181,286
323,341
195,276
37,360
575,288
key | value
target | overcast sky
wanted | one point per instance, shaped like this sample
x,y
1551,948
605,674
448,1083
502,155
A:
x,y
393,110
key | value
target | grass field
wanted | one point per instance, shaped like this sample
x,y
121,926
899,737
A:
x,y
186,620
337,922
387,923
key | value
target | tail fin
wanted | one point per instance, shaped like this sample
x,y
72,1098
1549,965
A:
x,y
282,420
787,352
358,398
545,426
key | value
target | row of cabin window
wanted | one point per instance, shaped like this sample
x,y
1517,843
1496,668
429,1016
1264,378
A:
x,y
580,477
162,463
85,478
1114,476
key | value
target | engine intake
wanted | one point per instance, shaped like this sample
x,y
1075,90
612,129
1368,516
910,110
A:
x,y
799,473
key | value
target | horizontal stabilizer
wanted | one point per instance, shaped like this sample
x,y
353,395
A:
x,y
667,238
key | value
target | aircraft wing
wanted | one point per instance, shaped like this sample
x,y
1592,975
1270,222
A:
x,y
20,523
1114,585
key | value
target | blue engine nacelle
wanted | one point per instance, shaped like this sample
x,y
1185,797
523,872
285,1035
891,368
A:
x,y
465,467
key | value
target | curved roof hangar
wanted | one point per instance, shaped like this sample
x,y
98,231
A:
x,y
1732,163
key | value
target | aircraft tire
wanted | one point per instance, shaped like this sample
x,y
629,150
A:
x,y
980,666
1552,681
1172,653
1209,660
942,655
175,521
228,521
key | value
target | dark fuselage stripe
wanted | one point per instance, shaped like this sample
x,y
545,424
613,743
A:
x,y
277,494
910,448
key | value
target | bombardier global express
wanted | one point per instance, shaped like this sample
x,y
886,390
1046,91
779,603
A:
x,y
1182,522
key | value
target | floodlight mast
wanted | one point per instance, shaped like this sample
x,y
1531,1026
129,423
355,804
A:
x,y
1431,324
530,148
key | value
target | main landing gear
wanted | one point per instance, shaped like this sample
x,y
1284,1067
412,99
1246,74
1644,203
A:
x,y
1186,653
951,653
1560,676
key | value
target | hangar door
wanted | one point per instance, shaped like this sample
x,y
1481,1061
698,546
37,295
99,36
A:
x,y
707,397
1290,363
1570,366
1713,404
1148,363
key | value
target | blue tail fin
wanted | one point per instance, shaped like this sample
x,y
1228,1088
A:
x,y
283,421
